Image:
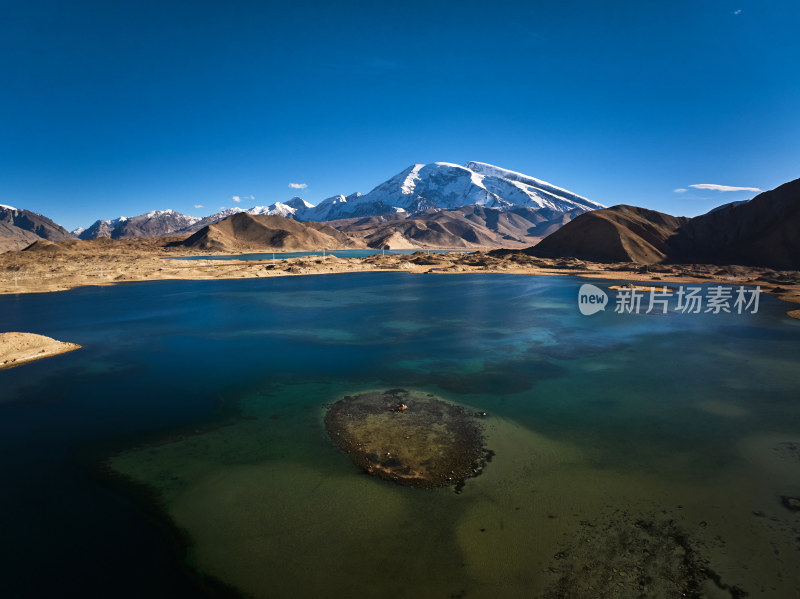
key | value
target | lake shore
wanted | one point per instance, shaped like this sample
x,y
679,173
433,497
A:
x,y
17,349
56,268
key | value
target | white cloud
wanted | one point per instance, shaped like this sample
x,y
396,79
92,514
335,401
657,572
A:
x,y
680,190
236,199
298,185
722,187
199,206
738,11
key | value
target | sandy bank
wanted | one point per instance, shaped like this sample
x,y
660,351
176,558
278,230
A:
x,y
62,268
20,348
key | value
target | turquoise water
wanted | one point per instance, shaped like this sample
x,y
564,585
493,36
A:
x,y
690,415
337,253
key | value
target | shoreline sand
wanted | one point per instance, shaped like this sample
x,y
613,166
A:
x,y
58,269
17,349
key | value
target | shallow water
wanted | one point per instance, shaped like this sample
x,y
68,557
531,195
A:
x,y
593,420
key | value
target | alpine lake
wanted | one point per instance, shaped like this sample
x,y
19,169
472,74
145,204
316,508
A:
x,y
184,452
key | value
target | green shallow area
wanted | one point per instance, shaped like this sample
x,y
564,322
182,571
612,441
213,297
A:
x,y
274,509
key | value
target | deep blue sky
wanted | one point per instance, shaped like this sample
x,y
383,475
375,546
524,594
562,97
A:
x,y
118,108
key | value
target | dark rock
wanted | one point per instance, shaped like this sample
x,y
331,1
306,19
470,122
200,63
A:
x,y
791,503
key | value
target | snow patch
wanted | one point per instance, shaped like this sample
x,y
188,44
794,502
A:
x,y
410,182
495,171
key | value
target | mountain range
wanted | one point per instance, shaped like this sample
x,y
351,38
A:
x,y
19,228
422,205
418,189
157,223
473,206
764,231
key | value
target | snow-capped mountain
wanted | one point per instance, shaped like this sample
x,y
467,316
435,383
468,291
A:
x,y
417,189
288,209
153,224
296,204
443,186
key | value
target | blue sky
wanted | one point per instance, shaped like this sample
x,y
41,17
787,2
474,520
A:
x,y
118,108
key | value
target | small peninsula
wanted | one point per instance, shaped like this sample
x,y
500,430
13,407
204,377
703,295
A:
x,y
20,348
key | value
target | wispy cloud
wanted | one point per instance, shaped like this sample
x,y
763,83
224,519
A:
x,y
680,190
236,199
298,185
199,206
722,187
738,11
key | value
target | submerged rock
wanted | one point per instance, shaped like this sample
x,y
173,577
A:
x,y
410,438
791,503
628,556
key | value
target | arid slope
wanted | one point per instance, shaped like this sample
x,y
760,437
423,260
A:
x,y
251,232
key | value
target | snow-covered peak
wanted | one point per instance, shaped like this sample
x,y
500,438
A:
x,y
7,207
160,213
489,170
339,199
298,203
229,212
495,171
445,185
259,210
280,209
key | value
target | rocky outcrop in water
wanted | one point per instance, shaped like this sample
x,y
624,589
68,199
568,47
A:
x,y
410,438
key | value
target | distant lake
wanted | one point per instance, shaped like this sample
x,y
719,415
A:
x,y
209,397
337,253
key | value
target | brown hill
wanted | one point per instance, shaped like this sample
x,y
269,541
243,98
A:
x,y
463,227
762,232
19,228
12,238
617,234
103,246
260,232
